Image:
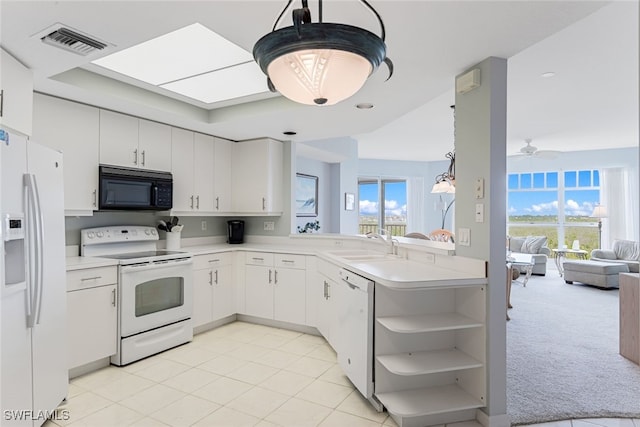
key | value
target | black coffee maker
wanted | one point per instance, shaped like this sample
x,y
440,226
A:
x,y
235,230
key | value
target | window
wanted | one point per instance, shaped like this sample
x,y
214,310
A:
x,y
555,204
382,205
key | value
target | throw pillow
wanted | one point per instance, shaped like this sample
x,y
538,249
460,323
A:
x,y
532,244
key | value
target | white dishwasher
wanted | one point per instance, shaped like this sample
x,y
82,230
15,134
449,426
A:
x,y
355,341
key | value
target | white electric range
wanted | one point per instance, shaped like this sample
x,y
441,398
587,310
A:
x,y
155,289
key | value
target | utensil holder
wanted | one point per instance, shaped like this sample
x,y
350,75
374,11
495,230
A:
x,y
173,240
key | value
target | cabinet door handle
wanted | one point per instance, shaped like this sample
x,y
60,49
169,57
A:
x,y
270,275
1,103
135,156
216,280
197,202
328,289
192,201
90,278
264,201
113,297
95,198
324,289
144,157
211,277
217,203
275,277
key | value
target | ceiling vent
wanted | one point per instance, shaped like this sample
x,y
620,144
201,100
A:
x,y
73,41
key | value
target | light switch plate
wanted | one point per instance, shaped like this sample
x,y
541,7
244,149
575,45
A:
x,y
464,237
269,225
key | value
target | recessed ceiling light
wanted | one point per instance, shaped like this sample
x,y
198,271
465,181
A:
x,y
364,106
548,74
290,133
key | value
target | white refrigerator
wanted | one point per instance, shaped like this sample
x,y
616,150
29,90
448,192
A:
x,y
33,354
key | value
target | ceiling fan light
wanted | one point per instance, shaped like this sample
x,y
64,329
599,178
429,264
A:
x,y
319,76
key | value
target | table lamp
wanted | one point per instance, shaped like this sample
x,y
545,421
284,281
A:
x,y
599,212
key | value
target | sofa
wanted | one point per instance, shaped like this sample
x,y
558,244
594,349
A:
x,y
622,252
536,246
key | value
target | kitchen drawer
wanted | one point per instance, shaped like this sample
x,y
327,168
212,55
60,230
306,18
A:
x,y
290,261
91,278
212,260
329,270
259,258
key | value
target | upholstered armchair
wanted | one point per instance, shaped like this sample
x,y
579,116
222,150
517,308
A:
x,y
536,246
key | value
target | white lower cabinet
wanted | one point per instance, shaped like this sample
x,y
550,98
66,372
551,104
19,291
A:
x,y
92,314
429,353
327,319
275,286
213,290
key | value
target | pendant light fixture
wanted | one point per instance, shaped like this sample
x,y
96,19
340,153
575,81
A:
x,y
319,63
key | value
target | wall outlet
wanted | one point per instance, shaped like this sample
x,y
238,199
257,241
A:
x,y
203,225
479,212
269,226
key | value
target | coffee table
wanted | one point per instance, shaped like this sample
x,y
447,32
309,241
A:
x,y
561,253
522,260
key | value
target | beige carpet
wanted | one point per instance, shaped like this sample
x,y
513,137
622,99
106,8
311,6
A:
x,y
562,354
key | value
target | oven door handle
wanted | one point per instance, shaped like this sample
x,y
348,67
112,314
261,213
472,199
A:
x,y
154,265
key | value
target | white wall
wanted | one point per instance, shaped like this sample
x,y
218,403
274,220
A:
x,y
323,171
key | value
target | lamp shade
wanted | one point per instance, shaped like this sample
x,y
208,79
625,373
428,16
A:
x,y
312,75
443,187
599,212
319,63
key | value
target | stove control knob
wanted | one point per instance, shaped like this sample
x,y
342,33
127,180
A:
x,y
153,232
147,232
90,235
100,234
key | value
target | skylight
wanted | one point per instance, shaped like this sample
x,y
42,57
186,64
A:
x,y
192,61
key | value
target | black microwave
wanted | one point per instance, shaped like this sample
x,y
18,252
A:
x,y
134,189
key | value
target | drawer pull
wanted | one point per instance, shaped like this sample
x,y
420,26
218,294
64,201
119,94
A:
x,y
257,259
289,261
91,278
214,260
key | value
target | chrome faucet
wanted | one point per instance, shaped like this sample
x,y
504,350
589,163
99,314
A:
x,y
387,241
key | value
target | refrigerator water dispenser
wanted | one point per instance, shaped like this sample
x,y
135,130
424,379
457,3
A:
x,y
14,256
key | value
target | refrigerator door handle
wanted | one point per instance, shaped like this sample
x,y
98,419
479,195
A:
x,y
38,243
31,244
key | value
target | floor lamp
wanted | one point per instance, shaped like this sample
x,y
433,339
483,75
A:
x,y
599,212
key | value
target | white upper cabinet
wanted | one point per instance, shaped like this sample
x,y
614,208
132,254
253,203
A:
x,y
222,175
16,96
73,129
257,177
154,145
203,151
118,139
136,143
192,168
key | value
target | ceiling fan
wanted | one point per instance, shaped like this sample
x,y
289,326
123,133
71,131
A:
x,y
532,151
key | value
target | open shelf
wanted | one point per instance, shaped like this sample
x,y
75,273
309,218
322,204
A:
x,y
428,401
428,323
427,362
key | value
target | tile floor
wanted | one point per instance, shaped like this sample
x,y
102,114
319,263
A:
x,y
240,374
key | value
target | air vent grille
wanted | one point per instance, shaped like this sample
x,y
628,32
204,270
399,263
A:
x,y
73,41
